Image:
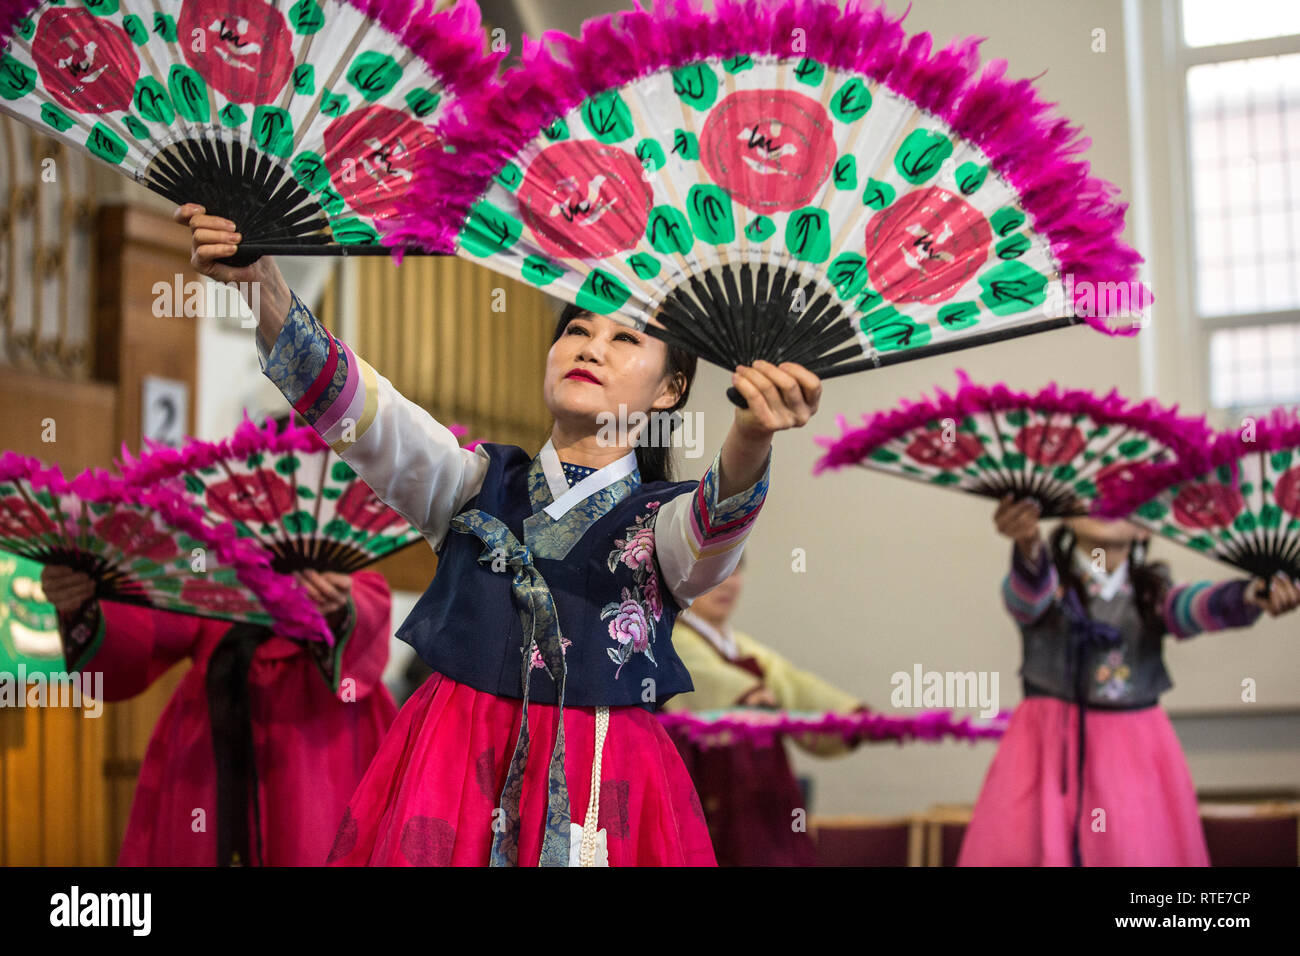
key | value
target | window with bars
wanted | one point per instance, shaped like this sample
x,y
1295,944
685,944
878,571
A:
x,y
1240,64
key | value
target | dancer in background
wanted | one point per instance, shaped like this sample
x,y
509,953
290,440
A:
x,y
1090,772
259,749
749,793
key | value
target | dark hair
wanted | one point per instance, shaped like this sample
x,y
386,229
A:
x,y
654,461
1149,580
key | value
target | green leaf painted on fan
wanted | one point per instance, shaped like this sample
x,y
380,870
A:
x,y
373,75
1244,522
164,27
697,85
808,234
1012,287
686,145
106,144
255,460
337,528
287,464
1016,416
1133,447
341,471
738,64
970,177
509,177
851,101
1201,543
711,214
540,271
1270,516
1007,220
809,71
651,155
152,102
330,201
848,273
231,115
878,195
921,155
1281,461
1064,472
1013,247
300,522
26,27
51,115
1224,474
309,170
304,79
133,125
845,173
760,229
668,231
602,293
557,131
16,79
945,478
134,28
331,493
959,315
194,484
101,8
273,130
490,230
869,301
607,117
305,492
189,94
422,102
333,104
1152,510
382,545
645,266
896,333
883,455
1013,459
306,17
353,232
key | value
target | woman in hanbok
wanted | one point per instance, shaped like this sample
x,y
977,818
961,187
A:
x,y
549,621
1090,772
754,805
264,740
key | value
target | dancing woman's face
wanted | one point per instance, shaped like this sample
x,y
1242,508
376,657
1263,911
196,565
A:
x,y
598,365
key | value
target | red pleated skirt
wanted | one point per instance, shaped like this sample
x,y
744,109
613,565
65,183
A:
x,y
430,794
1139,802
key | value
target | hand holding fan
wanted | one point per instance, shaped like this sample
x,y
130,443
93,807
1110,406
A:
x,y
782,181
142,547
1236,500
1061,448
283,489
302,122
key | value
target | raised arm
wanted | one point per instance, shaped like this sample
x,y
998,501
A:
x,y
1191,609
412,462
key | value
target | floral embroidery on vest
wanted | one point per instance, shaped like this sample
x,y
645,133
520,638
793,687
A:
x,y
1112,677
632,618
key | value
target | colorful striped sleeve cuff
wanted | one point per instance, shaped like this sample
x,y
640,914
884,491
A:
x,y
718,526
1192,609
1029,590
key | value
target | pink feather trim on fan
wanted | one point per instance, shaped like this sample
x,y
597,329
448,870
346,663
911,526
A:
x,y
1026,142
762,729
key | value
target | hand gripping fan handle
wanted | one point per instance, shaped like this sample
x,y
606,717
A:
x,y
736,398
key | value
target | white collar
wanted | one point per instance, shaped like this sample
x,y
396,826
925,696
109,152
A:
x,y
565,497
1108,582
722,638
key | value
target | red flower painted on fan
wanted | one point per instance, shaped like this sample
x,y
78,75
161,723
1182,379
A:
x,y
1050,444
930,448
585,200
87,63
771,149
246,51
18,519
1208,505
259,496
372,155
926,246
1288,492
136,533
360,508
216,597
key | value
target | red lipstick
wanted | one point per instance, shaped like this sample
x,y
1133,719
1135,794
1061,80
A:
x,y
582,375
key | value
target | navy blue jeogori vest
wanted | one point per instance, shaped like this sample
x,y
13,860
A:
x,y
505,552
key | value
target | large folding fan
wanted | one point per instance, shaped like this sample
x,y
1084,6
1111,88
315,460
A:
x,y
1236,500
1060,447
146,548
781,180
284,489
302,121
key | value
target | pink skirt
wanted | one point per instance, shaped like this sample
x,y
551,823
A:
x,y
430,794
1139,803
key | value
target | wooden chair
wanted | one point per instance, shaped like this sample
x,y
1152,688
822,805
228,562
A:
x,y
867,841
1252,834
944,828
